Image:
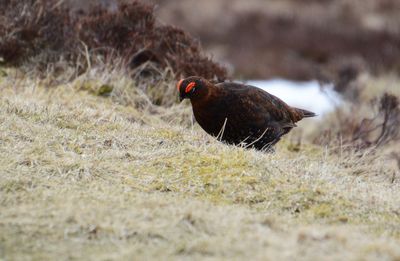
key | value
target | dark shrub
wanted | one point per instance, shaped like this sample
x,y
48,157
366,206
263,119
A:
x,y
41,32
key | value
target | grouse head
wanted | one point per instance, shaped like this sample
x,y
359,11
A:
x,y
193,88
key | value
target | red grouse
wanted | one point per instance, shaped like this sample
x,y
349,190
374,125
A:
x,y
240,114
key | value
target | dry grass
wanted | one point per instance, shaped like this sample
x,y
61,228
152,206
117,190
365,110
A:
x,y
93,178
368,118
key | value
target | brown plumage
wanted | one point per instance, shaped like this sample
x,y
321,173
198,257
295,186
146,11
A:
x,y
240,114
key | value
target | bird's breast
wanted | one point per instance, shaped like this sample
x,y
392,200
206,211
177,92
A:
x,y
211,116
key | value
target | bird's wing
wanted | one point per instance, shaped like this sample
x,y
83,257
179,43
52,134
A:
x,y
259,106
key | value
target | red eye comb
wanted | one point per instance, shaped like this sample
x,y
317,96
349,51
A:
x,y
190,87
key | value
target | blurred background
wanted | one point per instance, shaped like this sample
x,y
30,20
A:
x,y
331,40
301,40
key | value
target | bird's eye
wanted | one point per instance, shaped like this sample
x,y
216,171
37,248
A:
x,y
189,87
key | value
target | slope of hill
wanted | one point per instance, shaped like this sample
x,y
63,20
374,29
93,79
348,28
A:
x,y
97,178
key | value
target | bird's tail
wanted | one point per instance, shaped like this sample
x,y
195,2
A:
x,y
306,114
299,114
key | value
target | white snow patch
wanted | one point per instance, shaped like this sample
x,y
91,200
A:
x,y
310,95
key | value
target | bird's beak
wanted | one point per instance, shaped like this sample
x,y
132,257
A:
x,y
181,98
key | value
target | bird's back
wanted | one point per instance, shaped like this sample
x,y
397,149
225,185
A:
x,y
268,106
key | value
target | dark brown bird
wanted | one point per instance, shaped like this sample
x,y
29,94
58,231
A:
x,y
240,114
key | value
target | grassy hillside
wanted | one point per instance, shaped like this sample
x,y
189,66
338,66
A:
x,y
88,177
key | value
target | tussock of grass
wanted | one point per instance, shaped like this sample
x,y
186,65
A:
x,y
89,177
367,119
